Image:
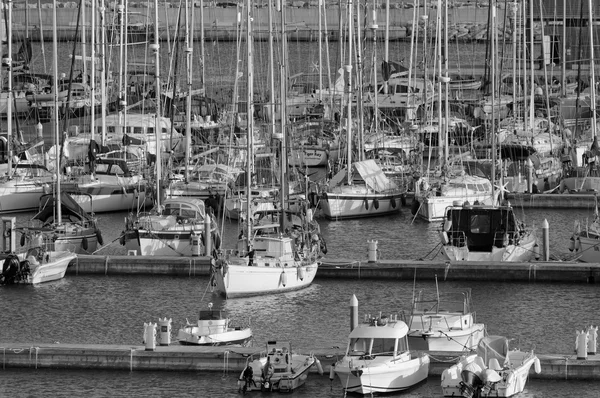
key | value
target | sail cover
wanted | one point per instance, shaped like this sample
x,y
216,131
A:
x,y
373,176
370,173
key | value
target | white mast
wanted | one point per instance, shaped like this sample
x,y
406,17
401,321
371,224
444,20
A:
x,y
374,28
92,72
249,110
189,51
103,69
349,102
9,97
56,121
203,93
157,125
592,67
271,71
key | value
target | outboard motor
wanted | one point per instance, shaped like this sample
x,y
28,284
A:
x,y
470,384
10,270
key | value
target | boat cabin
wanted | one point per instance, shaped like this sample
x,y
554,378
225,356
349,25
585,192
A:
x,y
377,337
479,227
279,354
184,208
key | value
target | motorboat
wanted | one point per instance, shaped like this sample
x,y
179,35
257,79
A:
x,y
279,370
378,358
315,143
213,328
585,242
477,232
34,266
444,322
177,227
365,192
22,190
494,371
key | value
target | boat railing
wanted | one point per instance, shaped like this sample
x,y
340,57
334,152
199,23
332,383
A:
x,y
457,238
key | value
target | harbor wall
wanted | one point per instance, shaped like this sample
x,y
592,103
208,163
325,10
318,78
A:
x,y
229,358
218,20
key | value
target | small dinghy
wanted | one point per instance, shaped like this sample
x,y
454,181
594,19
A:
x,y
279,370
213,328
494,371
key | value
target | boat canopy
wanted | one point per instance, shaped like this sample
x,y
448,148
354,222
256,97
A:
x,y
68,205
209,315
184,207
393,330
370,172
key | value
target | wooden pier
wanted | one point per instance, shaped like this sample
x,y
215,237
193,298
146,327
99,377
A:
x,y
175,357
535,271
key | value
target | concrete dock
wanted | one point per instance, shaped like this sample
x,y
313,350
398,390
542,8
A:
x,y
536,271
552,201
229,358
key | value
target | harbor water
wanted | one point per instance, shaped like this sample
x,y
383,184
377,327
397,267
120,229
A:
x,y
112,310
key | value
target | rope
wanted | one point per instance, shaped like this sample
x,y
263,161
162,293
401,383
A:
x,y
108,244
225,363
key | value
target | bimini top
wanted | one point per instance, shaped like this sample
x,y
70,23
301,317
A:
x,y
392,330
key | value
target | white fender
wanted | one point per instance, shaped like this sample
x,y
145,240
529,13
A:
x,y
572,244
537,365
320,367
283,279
444,237
301,273
332,372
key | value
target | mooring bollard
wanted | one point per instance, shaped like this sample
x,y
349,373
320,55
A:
x,y
150,336
372,251
546,237
592,339
164,326
581,344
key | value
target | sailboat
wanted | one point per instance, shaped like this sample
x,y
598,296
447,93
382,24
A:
x,y
361,189
482,232
36,263
175,226
272,257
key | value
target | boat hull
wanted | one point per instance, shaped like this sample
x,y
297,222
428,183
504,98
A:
x,y
433,208
524,251
103,199
52,269
186,336
25,197
283,380
313,157
163,243
447,340
342,206
372,376
241,280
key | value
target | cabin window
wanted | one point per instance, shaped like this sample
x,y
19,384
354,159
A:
x,y
359,346
138,130
150,130
117,170
383,346
480,224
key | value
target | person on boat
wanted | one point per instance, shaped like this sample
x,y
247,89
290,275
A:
x,y
250,255
268,371
248,377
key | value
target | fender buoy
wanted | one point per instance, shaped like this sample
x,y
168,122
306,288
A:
x,y
22,239
319,366
537,365
444,237
283,279
403,200
301,273
376,203
571,244
332,372
84,243
414,207
313,199
99,237
393,203
366,204
577,244
322,245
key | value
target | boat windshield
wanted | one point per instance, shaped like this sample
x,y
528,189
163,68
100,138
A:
x,y
376,346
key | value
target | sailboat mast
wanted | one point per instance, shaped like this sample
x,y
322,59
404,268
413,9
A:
x,y
349,101
592,66
9,97
157,125
189,51
57,152
493,38
441,136
202,72
283,119
92,72
250,118
374,28
103,69
271,71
